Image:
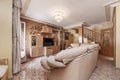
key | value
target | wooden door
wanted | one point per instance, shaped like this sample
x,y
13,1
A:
x,y
107,42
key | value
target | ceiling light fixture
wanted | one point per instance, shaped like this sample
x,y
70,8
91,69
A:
x,y
58,16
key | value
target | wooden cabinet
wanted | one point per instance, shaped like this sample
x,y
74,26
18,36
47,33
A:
x,y
49,29
36,45
36,51
46,29
49,50
36,40
56,49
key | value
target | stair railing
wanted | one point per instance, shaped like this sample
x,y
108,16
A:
x,y
92,35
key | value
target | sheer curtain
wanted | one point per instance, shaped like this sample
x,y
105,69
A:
x,y
16,24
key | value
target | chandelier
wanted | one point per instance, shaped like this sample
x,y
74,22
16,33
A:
x,y
58,16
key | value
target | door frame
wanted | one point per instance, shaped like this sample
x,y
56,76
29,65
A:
x,y
24,35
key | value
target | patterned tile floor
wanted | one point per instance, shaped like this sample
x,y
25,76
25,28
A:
x,y
33,70
105,71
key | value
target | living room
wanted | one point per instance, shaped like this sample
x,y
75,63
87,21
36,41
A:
x,y
35,31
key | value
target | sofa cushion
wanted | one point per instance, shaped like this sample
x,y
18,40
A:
x,y
94,49
70,53
44,63
53,63
66,61
90,46
74,45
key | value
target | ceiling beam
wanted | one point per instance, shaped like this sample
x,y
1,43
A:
x,y
25,7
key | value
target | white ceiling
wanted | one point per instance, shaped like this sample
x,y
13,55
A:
x,y
76,11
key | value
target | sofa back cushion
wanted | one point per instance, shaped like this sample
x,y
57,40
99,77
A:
x,y
90,46
70,53
73,45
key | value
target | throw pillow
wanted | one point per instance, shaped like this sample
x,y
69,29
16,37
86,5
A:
x,y
44,63
53,63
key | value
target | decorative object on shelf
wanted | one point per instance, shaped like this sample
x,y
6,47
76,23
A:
x,y
36,29
58,16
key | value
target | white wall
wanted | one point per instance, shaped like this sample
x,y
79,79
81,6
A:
x,y
118,37
6,32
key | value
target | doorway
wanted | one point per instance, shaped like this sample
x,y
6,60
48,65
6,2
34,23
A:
x,y
23,41
107,42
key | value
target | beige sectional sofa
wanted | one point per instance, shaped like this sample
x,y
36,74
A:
x,y
80,67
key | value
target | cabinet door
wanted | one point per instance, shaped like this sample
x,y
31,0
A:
x,y
44,29
34,52
41,51
49,30
39,41
36,46
56,49
49,51
36,40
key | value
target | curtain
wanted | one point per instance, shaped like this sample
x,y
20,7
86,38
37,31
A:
x,y
16,25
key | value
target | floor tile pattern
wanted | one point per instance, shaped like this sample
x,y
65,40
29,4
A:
x,y
33,70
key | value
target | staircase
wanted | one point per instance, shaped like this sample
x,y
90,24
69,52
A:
x,y
92,35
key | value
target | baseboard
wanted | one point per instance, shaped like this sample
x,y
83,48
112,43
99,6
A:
x,y
106,57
